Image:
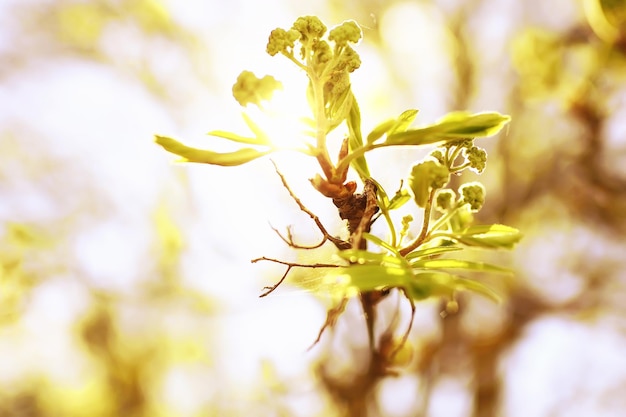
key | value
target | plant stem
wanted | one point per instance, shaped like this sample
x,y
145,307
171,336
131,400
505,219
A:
x,y
424,232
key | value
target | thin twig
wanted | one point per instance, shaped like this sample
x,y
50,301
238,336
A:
x,y
331,318
339,243
405,337
289,239
289,266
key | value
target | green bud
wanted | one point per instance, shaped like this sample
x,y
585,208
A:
x,y
251,89
349,60
348,31
309,27
473,194
281,40
477,158
426,176
445,199
321,52
438,155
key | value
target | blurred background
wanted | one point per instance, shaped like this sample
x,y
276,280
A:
x,y
126,287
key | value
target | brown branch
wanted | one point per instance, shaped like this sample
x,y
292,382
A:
x,y
331,318
340,244
371,208
289,239
289,266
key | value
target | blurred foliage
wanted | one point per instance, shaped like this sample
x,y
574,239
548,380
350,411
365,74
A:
x,y
81,24
557,173
19,247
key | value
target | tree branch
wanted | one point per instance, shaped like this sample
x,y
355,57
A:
x,y
289,266
340,244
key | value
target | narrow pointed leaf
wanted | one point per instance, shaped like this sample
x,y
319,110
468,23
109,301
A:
x,y
433,283
477,287
403,121
428,284
369,277
381,194
260,135
399,199
190,154
234,137
379,242
365,257
454,127
458,264
380,130
489,236
356,140
432,251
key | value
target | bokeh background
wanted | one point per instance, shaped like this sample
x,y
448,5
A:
x,y
126,287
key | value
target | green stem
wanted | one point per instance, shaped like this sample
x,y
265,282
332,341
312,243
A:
x,y
424,232
459,167
452,158
356,153
445,218
319,113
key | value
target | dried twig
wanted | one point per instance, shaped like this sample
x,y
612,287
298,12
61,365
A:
x,y
405,337
289,239
331,318
339,243
289,265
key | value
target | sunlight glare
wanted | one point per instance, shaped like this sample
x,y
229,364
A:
x,y
282,117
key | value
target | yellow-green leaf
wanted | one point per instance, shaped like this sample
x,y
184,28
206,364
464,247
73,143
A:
x,y
432,251
234,137
369,277
489,236
458,264
359,256
356,140
453,127
189,154
380,130
403,121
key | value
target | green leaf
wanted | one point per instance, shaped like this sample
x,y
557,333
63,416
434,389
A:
x,y
477,287
260,135
379,242
381,195
234,137
458,264
340,109
362,257
391,126
380,130
489,236
403,122
369,277
439,250
399,199
453,127
190,154
429,284
426,176
356,140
